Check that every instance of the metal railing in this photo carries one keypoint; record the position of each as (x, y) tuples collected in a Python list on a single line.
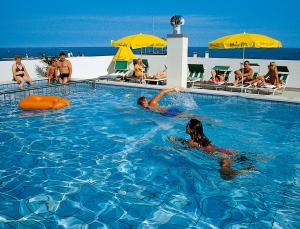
[(10, 92)]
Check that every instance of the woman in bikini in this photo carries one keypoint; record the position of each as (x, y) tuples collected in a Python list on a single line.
[(271, 78), (20, 73), (217, 76)]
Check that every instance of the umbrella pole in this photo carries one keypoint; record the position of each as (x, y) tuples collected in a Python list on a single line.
[(142, 80), (243, 70)]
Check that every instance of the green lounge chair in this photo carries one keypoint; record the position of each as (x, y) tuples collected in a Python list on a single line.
[(221, 85), (121, 71), (245, 86), (196, 73), (283, 75)]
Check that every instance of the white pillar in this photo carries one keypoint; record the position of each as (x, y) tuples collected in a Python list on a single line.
[(177, 60)]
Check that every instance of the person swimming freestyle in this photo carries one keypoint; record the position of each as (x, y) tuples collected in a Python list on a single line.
[(198, 140), (169, 112)]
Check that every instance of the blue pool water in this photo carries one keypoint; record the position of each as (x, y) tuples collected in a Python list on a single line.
[(104, 162)]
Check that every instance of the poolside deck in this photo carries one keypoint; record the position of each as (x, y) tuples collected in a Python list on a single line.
[(85, 68)]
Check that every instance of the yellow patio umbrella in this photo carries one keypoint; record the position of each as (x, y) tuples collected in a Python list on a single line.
[(124, 53), (244, 40), (140, 41)]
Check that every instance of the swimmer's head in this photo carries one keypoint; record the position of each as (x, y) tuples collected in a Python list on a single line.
[(195, 129), (225, 162), (143, 101), (193, 126)]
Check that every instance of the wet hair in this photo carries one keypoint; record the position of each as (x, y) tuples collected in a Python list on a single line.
[(247, 61), (62, 54), (18, 57), (140, 100), (198, 135)]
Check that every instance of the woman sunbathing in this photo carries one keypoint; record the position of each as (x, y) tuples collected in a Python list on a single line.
[(160, 75), (271, 78), (217, 76)]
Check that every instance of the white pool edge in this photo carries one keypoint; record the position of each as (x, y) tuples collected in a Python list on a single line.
[(270, 98)]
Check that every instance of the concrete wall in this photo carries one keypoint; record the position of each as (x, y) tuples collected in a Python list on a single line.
[(91, 67), (83, 67), (293, 66)]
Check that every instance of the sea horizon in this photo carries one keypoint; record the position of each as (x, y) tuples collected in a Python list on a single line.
[(251, 53)]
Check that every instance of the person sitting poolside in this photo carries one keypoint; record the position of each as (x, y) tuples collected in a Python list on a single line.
[(271, 78), (169, 112), (139, 69), (20, 73), (52, 72), (217, 76), (244, 74), (198, 140)]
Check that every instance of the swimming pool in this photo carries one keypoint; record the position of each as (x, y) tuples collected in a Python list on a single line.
[(104, 162)]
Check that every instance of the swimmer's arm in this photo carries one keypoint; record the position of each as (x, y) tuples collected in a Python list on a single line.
[(156, 98)]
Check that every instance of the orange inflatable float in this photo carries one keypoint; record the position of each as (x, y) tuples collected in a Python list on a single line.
[(42, 102)]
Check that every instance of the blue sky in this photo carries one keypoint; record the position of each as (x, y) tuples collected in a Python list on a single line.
[(33, 23)]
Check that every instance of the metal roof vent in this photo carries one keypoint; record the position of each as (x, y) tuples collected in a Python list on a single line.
[(177, 21)]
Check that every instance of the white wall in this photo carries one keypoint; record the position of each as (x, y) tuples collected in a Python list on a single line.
[(156, 64), (91, 67), (293, 66), (83, 67), (177, 60)]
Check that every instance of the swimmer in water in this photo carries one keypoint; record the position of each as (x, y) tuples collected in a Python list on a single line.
[(198, 140), (169, 112)]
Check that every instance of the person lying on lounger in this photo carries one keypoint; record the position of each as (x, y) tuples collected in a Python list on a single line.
[(153, 105), (160, 75), (217, 76), (226, 156), (271, 78)]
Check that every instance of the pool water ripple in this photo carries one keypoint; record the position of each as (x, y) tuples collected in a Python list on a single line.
[(103, 162)]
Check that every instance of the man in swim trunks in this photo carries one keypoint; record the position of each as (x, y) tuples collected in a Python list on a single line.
[(169, 112), (20, 73), (245, 73), (65, 68)]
